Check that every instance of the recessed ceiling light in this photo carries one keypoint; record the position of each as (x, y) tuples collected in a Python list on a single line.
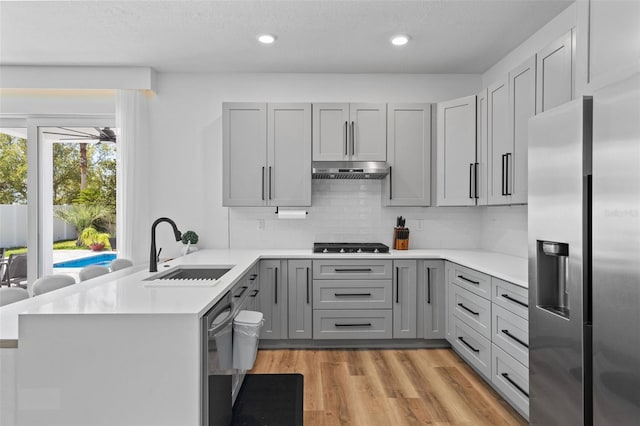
[(266, 38), (400, 40)]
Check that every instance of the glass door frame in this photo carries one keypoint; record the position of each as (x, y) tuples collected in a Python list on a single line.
[(39, 182)]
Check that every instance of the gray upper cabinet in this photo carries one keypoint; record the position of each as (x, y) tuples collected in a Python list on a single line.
[(431, 298), (355, 132), (405, 299), (408, 155), (500, 145), (300, 299), (522, 106), (456, 151), (244, 135), (267, 154), (555, 73)]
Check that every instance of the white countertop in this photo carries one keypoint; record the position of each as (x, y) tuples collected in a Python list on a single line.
[(126, 292)]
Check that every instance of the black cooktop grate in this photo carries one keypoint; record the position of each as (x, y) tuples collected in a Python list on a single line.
[(350, 248)]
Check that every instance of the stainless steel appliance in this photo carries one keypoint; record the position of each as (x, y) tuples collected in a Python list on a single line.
[(349, 170), (217, 344), (350, 248), (584, 256)]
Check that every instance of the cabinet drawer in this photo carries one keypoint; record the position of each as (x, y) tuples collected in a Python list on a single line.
[(473, 347), (354, 269), (511, 333), (352, 294), (472, 280), (511, 297), (355, 324), (512, 378), (471, 308)]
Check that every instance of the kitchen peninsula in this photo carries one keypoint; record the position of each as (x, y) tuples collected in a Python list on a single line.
[(122, 350)]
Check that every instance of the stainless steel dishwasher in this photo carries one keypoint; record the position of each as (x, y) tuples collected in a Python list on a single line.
[(217, 369)]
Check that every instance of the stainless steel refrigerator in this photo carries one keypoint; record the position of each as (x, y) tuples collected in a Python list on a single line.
[(584, 260)]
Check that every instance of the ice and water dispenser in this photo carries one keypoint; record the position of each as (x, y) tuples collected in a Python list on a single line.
[(553, 275)]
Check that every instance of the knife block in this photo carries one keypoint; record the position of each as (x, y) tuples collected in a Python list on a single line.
[(401, 238)]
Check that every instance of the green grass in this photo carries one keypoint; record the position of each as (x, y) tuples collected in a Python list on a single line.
[(58, 245)]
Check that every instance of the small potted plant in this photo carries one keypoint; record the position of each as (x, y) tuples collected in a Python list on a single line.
[(189, 240), (93, 238)]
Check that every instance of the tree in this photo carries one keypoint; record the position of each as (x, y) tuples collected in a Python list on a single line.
[(82, 216), (13, 170)]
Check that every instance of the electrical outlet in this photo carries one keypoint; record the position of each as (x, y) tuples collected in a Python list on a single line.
[(261, 224), (419, 224)]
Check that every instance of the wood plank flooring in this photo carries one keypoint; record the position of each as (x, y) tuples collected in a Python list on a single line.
[(389, 387)]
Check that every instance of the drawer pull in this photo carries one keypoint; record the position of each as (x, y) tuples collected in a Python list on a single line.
[(307, 286), (506, 296), (468, 345), (255, 293), (462, 277), (429, 286), (468, 310), (364, 324), (253, 277), (351, 294), (397, 284), (517, 386), (244, 288), (506, 332), (353, 270)]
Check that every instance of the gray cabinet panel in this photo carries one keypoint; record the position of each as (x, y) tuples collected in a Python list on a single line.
[(456, 151), (272, 299), (289, 155), (368, 132), (431, 299), (482, 146), (471, 308), (405, 299), (356, 324), (352, 294), (300, 299), (522, 106), (352, 269), (244, 153), (555, 74), (472, 280), (408, 155), (512, 378), (511, 333), (472, 347), (511, 297), (500, 145), (330, 132)]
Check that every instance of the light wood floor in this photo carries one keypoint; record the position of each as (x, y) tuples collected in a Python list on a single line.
[(389, 387)]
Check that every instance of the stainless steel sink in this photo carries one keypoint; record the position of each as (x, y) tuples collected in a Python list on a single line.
[(192, 272)]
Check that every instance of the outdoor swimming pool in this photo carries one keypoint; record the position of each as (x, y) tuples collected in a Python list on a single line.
[(103, 259)]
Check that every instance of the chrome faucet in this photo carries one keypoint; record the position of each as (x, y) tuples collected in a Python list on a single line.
[(154, 257)]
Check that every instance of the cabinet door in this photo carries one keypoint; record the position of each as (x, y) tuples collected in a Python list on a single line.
[(431, 298), (482, 142), (272, 299), (408, 155), (522, 106), (404, 298), (244, 151), (500, 145), (330, 132), (368, 127), (456, 146), (555, 74), (300, 303), (289, 155)]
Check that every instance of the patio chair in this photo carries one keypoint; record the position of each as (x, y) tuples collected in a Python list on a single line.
[(92, 271), (118, 264), (12, 294), (16, 270), (51, 282)]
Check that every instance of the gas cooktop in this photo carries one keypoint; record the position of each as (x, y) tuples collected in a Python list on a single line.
[(350, 248)]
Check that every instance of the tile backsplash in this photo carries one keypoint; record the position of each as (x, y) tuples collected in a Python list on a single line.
[(351, 210)]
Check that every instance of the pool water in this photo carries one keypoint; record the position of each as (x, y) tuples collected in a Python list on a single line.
[(100, 260)]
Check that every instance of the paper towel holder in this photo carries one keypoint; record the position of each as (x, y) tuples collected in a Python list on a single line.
[(276, 212)]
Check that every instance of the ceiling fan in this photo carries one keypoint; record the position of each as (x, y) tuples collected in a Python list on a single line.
[(103, 135)]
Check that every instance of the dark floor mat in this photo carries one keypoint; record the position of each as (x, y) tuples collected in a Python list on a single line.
[(269, 400)]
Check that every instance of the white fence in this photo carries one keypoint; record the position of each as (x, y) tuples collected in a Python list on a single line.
[(13, 226)]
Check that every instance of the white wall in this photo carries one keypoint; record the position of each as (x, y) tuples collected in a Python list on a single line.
[(186, 116), (48, 102)]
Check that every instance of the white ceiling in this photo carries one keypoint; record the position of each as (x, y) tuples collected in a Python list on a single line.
[(448, 36)]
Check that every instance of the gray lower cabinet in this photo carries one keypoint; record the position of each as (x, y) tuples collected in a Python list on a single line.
[(405, 299), (300, 299), (272, 298), (431, 299)]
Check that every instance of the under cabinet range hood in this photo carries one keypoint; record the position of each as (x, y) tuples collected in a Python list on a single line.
[(349, 169)]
